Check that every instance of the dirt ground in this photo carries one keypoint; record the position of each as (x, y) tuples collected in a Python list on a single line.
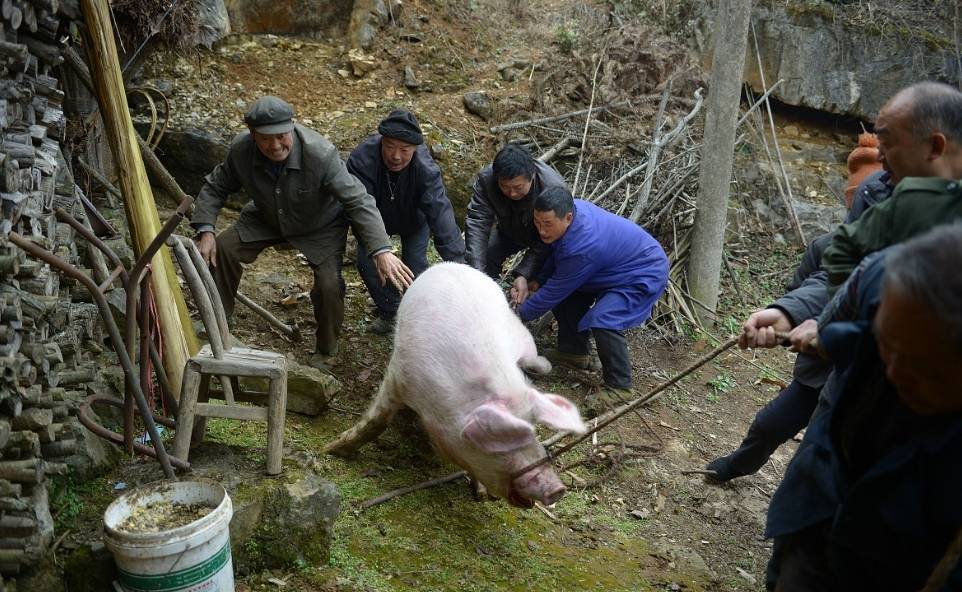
[(631, 520)]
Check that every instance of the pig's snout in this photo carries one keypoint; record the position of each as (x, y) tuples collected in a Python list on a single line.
[(544, 486), (553, 496)]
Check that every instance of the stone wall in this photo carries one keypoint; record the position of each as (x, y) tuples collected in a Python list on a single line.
[(832, 66)]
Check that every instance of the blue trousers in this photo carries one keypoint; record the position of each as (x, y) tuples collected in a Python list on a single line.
[(414, 254)]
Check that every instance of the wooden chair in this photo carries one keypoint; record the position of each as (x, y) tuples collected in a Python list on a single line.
[(227, 363)]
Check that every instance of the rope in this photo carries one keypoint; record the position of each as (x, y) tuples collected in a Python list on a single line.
[(612, 416)]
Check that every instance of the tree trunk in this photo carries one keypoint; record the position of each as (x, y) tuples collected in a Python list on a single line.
[(708, 242)]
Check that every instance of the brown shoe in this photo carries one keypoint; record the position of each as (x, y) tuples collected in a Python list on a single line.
[(576, 361), (607, 398)]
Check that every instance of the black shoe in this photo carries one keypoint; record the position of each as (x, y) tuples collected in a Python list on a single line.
[(381, 326)]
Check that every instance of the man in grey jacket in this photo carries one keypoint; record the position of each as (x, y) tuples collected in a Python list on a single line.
[(300, 191), (500, 219)]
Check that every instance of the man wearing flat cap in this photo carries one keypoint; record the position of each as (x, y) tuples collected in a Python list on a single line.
[(300, 193), (397, 169)]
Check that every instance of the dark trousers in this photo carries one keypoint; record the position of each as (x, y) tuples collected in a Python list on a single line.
[(800, 562), (500, 247), (612, 345), (327, 295), (773, 425), (414, 254)]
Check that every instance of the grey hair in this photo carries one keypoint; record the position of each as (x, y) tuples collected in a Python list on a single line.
[(935, 107), (928, 269)]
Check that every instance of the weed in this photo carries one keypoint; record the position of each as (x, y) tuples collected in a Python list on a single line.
[(566, 38), (722, 383), (732, 325)]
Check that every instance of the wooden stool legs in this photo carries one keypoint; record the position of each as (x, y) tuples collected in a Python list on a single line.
[(191, 420), (276, 409)]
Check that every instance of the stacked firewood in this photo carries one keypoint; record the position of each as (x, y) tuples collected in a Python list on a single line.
[(48, 325)]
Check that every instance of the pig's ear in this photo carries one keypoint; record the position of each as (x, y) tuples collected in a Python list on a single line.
[(556, 412), (492, 428)]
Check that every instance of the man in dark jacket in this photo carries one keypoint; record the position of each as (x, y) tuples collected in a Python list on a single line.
[(397, 169), (499, 220), (871, 499), (915, 129), (789, 411), (300, 191), (602, 276)]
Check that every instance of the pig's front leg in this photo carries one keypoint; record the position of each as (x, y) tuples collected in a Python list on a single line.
[(374, 421), (529, 360)]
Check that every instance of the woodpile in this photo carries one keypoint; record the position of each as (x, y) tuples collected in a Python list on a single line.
[(46, 322)]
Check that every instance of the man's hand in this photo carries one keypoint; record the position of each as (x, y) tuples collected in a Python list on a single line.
[(804, 337), (208, 248), (760, 328), (390, 268), (519, 291)]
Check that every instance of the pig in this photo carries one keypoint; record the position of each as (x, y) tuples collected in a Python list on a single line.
[(457, 362)]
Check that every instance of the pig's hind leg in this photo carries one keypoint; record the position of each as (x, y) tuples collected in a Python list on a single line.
[(374, 421)]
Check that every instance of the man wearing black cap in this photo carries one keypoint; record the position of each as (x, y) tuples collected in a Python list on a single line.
[(302, 194), (397, 169)]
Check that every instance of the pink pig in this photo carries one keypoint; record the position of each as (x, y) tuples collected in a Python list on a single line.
[(458, 354)]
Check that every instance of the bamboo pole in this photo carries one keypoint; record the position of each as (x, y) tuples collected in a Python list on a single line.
[(139, 205)]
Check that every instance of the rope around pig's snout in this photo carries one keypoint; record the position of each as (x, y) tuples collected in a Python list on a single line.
[(615, 414)]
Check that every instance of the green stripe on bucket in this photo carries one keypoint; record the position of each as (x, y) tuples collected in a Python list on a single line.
[(179, 579)]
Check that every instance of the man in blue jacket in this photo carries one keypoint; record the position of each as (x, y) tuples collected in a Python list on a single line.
[(603, 275), (871, 499), (397, 169)]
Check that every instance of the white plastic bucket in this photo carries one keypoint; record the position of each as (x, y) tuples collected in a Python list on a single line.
[(194, 557)]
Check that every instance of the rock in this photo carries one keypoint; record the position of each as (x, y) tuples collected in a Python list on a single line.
[(190, 153), (318, 18), (212, 22), (686, 560), (94, 453), (410, 80), (367, 17), (816, 218), (43, 576), (89, 568), (360, 63), (308, 389), (834, 67), (511, 69), (478, 103), (279, 525)]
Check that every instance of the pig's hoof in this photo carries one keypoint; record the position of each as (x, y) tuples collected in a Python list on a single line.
[(536, 365), (340, 449), (479, 490)]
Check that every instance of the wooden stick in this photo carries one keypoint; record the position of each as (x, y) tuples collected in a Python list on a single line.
[(600, 423), (139, 203), (658, 145), (556, 148), (759, 101), (615, 414), (778, 151), (591, 104), (520, 124), (294, 333), (410, 489)]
